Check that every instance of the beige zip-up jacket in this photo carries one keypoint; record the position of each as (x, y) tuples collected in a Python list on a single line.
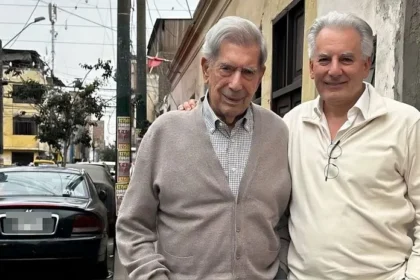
[(357, 225)]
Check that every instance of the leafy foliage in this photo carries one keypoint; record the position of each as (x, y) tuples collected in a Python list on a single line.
[(64, 117), (109, 153)]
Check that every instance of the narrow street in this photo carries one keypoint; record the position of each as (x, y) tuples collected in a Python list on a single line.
[(50, 271), (119, 272)]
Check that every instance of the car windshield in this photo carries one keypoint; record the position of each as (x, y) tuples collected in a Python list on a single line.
[(44, 183), (97, 173)]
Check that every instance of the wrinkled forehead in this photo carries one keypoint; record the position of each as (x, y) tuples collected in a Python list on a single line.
[(239, 55)]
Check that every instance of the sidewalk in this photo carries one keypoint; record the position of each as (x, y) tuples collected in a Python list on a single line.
[(119, 272)]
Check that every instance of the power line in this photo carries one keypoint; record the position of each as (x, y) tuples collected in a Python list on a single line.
[(68, 43), (29, 18), (189, 8), (88, 8), (154, 2), (110, 13), (67, 17), (76, 15), (69, 25)]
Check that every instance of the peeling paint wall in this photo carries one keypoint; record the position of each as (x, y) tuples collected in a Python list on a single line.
[(390, 16), (387, 19), (366, 9), (411, 55)]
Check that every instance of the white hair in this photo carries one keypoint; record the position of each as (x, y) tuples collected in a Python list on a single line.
[(342, 20), (235, 30)]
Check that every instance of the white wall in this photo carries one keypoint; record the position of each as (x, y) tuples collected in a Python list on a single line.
[(365, 9)]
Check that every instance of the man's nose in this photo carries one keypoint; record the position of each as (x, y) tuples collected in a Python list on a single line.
[(335, 68), (236, 81)]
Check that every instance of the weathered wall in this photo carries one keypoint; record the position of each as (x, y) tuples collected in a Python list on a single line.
[(365, 9), (152, 98), (390, 17), (387, 19), (411, 55)]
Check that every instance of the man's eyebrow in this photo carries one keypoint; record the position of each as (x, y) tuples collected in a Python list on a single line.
[(323, 55), (347, 54), (226, 64)]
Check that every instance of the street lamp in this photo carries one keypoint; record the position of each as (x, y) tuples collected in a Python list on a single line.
[(37, 19)]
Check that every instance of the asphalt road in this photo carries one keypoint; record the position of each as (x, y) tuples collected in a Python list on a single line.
[(68, 271)]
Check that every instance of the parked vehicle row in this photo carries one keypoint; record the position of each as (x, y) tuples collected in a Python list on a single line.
[(50, 213)]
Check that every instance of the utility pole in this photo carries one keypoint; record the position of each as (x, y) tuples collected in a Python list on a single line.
[(141, 113), (123, 100), (1, 105), (52, 10)]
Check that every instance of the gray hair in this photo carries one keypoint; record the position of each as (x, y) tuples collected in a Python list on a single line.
[(342, 20), (235, 30)]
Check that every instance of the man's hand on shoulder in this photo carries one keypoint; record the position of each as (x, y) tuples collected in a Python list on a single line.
[(187, 105)]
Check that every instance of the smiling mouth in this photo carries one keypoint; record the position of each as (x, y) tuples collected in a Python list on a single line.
[(334, 84)]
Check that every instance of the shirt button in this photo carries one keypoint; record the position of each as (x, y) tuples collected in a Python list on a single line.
[(238, 229), (233, 170), (238, 257)]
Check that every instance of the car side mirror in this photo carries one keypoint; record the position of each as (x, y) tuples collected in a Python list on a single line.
[(102, 195)]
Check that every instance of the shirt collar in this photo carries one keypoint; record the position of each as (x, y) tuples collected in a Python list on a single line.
[(362, 104), (212, 120)]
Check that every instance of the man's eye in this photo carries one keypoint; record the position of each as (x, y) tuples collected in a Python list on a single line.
[(347, 60), (248, 72), (226, 68)]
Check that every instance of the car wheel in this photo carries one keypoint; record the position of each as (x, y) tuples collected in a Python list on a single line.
[(101, 268)]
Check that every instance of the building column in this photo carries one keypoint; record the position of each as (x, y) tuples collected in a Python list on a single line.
[(308, 85)]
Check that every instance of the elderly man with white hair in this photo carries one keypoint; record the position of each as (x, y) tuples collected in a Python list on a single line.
[(209, 186)]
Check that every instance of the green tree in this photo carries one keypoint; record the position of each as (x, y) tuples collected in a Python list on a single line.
[(108, 153), (64, 117)]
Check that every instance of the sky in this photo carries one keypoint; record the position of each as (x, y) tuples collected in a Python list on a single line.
[(86, 30)]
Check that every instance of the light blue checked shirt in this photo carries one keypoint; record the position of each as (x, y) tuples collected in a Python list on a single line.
[(231, 146)]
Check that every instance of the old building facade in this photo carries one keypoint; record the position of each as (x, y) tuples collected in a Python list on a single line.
[(19, 127), (284, 24)]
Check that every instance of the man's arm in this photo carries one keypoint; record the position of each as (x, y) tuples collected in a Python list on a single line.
[(412, 177), (136, 223), (283, 231)]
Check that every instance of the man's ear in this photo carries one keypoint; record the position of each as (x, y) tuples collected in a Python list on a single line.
[(311, 69), (205, 69)]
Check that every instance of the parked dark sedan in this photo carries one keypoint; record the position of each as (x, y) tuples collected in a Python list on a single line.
[(52, 214), (103, 181)]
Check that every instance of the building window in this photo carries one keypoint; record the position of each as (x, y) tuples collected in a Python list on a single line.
[(288, 37), (15, 95), (24, 126)]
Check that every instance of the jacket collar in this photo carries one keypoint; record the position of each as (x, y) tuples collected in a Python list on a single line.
[(377, 106)]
